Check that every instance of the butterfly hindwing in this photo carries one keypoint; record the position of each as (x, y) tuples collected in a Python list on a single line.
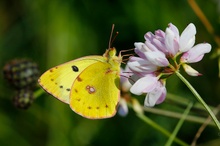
[(95, 92), (58, 80)]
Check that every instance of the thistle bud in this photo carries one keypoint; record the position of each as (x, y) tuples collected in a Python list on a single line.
[(23, 98), (21, 73)]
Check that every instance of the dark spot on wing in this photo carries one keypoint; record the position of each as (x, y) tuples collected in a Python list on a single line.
[(75, 68), (68, 89), (79, 79), (108, 71), (90, 89)]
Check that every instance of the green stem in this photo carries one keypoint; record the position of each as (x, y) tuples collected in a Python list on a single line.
[(38, 93), (185, 101), (159, 128), (199, 98), (179, 124), (190, 118)]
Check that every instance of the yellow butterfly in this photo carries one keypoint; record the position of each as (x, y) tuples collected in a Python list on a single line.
[(90, 85)]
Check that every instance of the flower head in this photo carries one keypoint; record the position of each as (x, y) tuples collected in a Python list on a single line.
[(157, 60)]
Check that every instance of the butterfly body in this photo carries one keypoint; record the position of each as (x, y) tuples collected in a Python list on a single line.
[(90, 85)]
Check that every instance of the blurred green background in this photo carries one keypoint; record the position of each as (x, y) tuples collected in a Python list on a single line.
[(53, 32)]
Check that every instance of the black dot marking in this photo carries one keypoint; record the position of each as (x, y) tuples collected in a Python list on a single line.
[(51, 70), (76, 90), (52, 80), (78, 99), (89, 107), (75, 68), (68, 89), (97, 107), (61, 86), (106, 106)]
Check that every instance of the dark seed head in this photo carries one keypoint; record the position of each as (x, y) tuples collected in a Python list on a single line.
[(23, 98), (21, 73)]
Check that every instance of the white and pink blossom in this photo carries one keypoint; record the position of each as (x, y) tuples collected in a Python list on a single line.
[(154, 57)]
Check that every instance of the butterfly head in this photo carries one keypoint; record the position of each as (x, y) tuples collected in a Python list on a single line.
[(110, 55)]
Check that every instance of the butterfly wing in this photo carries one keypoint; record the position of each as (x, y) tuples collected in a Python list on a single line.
[(95, 92), (58, 80)]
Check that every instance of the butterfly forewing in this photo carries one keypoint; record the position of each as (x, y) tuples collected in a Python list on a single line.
[(58, 80)]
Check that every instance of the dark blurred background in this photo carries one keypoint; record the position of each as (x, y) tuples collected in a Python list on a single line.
[(53, 32)]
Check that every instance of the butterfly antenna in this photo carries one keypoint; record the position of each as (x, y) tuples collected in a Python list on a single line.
[(111, 40)]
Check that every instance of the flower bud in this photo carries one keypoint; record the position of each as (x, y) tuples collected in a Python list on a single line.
[(190, 71), (23, 98), (21, 73)]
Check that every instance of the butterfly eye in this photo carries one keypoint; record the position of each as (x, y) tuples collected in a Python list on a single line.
[(75, 68)]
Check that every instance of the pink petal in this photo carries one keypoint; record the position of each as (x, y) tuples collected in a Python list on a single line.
[(151, 46), (157, 58), (156, 96), (160, 33), (159, 40), (171, 42), (137, 64), (140, 48), (162, 96), (160, 44), (187, 38), (174, 30), (196, 53), (155, 42), (149, 36), (144, 85)]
